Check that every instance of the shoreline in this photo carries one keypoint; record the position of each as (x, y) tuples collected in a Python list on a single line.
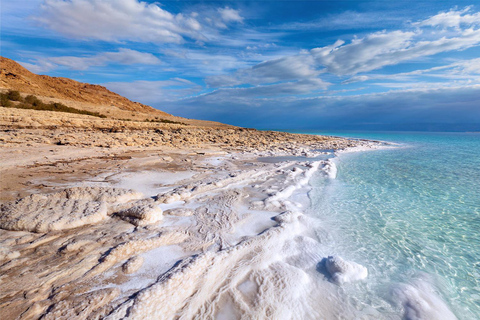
[(125, 252)]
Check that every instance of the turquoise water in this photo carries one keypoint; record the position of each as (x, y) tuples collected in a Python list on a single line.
[(411, 215)]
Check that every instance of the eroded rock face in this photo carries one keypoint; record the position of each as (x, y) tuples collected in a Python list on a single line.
[(67, 209)]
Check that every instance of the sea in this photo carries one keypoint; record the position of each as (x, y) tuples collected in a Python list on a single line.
[(411, 215)]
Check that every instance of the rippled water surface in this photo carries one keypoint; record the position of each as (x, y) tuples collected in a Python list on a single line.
[(408, 214)]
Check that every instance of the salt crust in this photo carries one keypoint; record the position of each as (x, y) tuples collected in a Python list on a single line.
[(214, 279), (132, 264), (66, 209)]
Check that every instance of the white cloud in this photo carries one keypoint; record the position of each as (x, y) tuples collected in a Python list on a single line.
[(38, 67), (283, 69), (123, 56), (372, 52), (452, 19), (469, 66), (196, 62), (155, 92), (464, 70), (300, 87), (116, 20), (388, 48), (230, 15)]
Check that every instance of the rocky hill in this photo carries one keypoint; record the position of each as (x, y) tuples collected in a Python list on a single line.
[(83, 96), (14, 76)]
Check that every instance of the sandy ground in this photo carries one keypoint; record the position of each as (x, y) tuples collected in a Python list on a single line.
[(162, 230)]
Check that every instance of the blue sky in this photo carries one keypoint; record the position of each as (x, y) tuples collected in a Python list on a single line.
[(398, 65)]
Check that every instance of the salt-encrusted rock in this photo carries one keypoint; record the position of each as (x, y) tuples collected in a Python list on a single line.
[(101, 194), (141, 215), (132, 265), (343, 271), (79, 306), (44, 213), (181, 212), (7, 254), (66, 209)]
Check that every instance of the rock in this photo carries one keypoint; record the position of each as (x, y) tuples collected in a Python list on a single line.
[(132, 265)]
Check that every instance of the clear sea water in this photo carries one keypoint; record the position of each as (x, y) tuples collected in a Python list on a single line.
[(410, 215)]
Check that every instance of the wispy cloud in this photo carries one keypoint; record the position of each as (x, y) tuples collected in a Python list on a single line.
[(374, 51), (232, 62), (388, 48), (452, 19), (117, 20), (283, 69), (459, 70), (155, 92), (346, 21), (230, 15), (122, 56)]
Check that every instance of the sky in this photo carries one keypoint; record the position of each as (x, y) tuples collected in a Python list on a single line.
[(322, 65)]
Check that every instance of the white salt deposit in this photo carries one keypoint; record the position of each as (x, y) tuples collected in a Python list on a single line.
[(214, 247), (342, 271), (133, 264), (142, 215), (300, 180), (420, 301), (149, 183), (70, 208), (6, 253), (330, 169)]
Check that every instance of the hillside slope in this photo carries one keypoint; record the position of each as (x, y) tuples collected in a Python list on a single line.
[(14, 76)]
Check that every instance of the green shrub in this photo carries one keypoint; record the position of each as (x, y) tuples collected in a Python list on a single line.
[(164, 121), (23, 105), (31, 99), (4, 101), (32, 102), (14, 95)]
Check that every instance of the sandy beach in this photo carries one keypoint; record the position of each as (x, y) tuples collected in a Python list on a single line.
[(159, 223)]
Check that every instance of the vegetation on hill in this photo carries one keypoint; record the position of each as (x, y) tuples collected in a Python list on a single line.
[(13, 99), (32, 102), (165, 121)]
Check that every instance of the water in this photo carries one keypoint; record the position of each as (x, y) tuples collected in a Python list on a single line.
[(411, 215)]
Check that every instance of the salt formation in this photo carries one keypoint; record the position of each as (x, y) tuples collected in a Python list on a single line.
[(276, 200), (141, 215), (343, 271), (133, 264), (419, 301), (221, 248), (7, 254), (67, 209), (330, 169)]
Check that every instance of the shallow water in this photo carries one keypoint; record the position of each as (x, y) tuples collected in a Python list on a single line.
[(411, 215)]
